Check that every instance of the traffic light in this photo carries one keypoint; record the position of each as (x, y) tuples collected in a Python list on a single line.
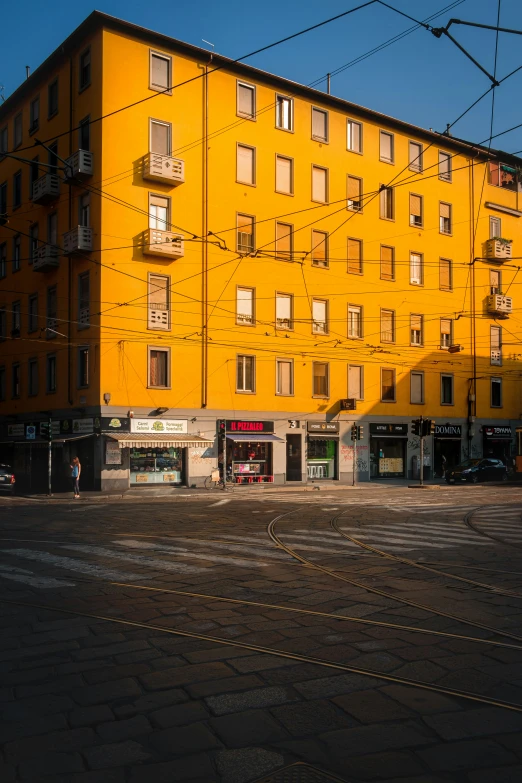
[(428, 427), (354, 432), (416, 427), (360, 432)]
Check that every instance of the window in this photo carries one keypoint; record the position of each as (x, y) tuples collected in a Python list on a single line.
[(51, 312), (354, 136), (495, 281), (319, 184), (355, 261), (284, 175), (446, 332), (245, 374), (416, 269), (4, 140), (16, 319), (84, 134), (496, 392), (445, 218), (387, 326), (34, 173), (386, 151), (246, 100), (16, 384), (495, 341), (495, 227), (388, 385), (417, 388), (503, 175), (416, 325), (16, 253), (246, 165), (284, 241), (33, 242), (160, 135), (245, 234), (416, 216), (84, 209), (387, 263), (445, 274), (3, 202), (355, 382), (386, 203), (52, 229), (245, 306), (355, 322), (284, 311), (84, 300), (34, 115), (84, 70), (159, 209), (354, 191), (321, 379), (50, 374), (444, 166), (52, 158), (158, 302), (319, 124), (2, 384), (32, 377), (319, 248), (83, 366), (415, 156), (3, 324), (319, 316), (446, 389), (17, 130), (17, 189), (52, 99), (284, 377), (3, 259), (284, 113), (159, 368), (33, 313)]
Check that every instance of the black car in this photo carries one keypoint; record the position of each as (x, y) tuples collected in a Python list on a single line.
[(7, 479), (475, 470)]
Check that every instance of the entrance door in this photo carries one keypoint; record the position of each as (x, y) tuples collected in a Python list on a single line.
[(293, 458)]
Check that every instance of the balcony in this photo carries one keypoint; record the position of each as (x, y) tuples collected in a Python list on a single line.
[(496, 358), (498, 304), (46, 189), (498, 249), (78, 240), (80, 166), (84, 317), (163, 243), (163, 168), (45, 258)]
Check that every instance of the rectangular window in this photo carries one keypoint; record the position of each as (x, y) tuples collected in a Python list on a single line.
[(34, 173), (415, 156), (284, 311), (52, 99), (284, 377), (160, 72), (32, 377), (158, 302), (245, 306), (284, 113), (355, 256), (386, 151), (17, 189), (17, 253), (386, 203), (416, 324), (445, 274), (416, 211), (355, 382), (83, 367), (4, 140), (319, 124), (387, 263), (16, 319), (245, 374), (2, 384), (17, 130), (387, 326), (446, 329), (495, 341), (388, 385), (495, 281), (16, 381), (52, 158), (354, 136), (416, 269), (319, 316), (246, 100), (3, 202), (355, 321), (33, 242), (3, 260), (446, 389), (84, 134), (246, 165), (33, 313), (444, 166), (284, 175), (319, 248), (445, 218), (84, 69), (52, 229), (495, 227), (496, 392), (321, 379), (159, 368), (50, 374), (51, 312), (84, 300), (34, 114), (319, 184), (417, 388), (160, 137), (3, 324), (159, 212), (84, 209), (354, 191), (284, 241), (245, 234)]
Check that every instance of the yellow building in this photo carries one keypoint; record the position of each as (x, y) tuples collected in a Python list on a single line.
[(193, 248)]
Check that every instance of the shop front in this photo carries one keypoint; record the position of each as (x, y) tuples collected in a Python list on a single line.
[(447, 451), (322, 450), (497, 442), (388, 443), (246, 449)]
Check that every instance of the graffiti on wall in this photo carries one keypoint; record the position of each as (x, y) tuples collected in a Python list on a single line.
[(361, 462), (197, 456)]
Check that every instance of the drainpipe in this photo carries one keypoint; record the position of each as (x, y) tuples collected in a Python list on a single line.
[(69, 260), (204, 276)]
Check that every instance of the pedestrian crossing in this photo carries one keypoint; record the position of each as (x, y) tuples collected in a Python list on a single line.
[(501, 522)]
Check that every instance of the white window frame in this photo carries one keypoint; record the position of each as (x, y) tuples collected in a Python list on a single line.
[(414, 278), (168, 59), (360, 394), (413, 218), (354, 308), (386, 195), (446, 156), (279, 392), (392, 147), (160, 322), (246, 319), (495, 289), (253, 171), (495, 221), (349, 123), (291, 162), (252, 88), (285, 255), (252, 234), (163, 225), (325, 113), (495, 345), (280, 99), (417, 163), (450, 334), (320, 168), (450, 219), (320, 326), (447, 375), (418, 374), (239, 357), (322, 243), (393, 326), (352, 204), (168, 125), (498, 381), (283, 323), (418, 343), (169, 366)]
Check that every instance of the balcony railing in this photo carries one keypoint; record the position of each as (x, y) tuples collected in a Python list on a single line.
[(163, 168), (45, 258), (159, 317), (163, 243), (84, 316), (498, 250), (78, 240), (80, 166), (46, 189), (498, 304)]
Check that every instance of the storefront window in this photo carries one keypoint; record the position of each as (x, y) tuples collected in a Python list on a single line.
[(321, 462), (249, 461), (156, 465)]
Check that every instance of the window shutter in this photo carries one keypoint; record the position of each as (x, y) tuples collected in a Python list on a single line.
[(386, 146), (445, 326), (415, 205), (318, 184), (445, 210), (416, 323), (159, 138), (245, 224), (245, 100), (284, 240), (354, 382), (283, 310), (285, 384), (354, 188), (283, 174), (415, 268), (160, 72), (495, 338), (354, 256), (318, 124), (387, 262), (354, 136), (416, 387), (445, 273), (319, 311), (444, 165), (245, 164), (319, 248), (245, 305)]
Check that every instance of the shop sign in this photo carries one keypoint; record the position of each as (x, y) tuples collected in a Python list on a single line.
[(497, 432), (112, 453), (16, 430), (448, 430), (389, 429), (83, 426), (238, 425), (323, 426), (30, 432), (44, 428), (66, 426), (114, 423), (159, 426)]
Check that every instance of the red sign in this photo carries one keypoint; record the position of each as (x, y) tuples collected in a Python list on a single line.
[(238, 425)]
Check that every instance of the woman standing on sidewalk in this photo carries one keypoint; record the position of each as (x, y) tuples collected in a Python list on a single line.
[(76, 470)]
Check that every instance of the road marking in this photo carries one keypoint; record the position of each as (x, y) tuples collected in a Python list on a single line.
[(71, 564), (29, 578), (158, 565), (213, 558), (220, 502)]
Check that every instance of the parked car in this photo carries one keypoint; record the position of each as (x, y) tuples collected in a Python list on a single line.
[(7, 478), (475, 470)]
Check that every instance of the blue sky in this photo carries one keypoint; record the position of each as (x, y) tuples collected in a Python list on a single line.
[(420, 79)]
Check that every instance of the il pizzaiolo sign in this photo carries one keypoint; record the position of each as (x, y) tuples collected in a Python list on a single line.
[(448, 430)]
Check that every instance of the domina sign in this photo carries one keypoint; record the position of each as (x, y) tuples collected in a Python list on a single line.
[(448, 430)]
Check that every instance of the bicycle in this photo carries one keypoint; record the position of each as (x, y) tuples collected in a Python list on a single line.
[(215, 481)]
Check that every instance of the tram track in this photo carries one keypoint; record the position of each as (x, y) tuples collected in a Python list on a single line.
[(480, 532)]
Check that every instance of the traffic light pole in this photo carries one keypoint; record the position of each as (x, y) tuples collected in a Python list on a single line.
[(49, 457), (354, 460), (421, 472)]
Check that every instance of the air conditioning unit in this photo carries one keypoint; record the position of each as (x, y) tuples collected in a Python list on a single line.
[(498, 303)]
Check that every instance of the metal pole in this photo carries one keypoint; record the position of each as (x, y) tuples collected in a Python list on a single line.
[(328, 83), (49, 458), (354, 459), (225, 458), (421, 473)]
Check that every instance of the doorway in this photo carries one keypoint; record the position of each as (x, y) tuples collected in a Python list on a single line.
[(294, 458)]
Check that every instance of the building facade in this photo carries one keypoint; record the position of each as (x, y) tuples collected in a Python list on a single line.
[(203, 262)]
